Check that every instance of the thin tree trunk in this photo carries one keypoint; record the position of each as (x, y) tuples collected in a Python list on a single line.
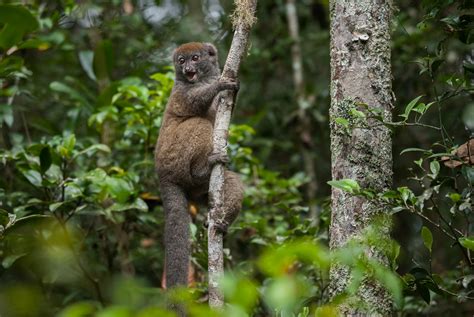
[(304, 121), (360, 73), (243, 19)]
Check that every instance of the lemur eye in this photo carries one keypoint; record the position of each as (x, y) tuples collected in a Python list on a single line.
[(195, 58), (181, 60)]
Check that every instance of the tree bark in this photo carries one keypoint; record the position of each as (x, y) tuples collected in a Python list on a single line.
[(360, 74), (243, 19), (303, 102)]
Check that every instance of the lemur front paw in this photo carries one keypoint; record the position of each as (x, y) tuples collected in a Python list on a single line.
[(220, 157), (229, 84), (221, 227)]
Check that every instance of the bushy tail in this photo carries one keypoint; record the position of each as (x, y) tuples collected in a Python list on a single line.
[(177, 244)]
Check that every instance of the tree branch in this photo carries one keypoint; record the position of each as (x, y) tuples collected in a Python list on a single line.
[(243, 19)]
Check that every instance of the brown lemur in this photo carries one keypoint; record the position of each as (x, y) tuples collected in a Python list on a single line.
[(184, 157)]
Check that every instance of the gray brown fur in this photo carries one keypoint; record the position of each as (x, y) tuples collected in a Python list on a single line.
[(184, 156)]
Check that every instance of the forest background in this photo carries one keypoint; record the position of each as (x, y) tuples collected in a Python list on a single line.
[(83, 86)]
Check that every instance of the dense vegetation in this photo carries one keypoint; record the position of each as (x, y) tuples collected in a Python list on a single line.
[(83, 87)]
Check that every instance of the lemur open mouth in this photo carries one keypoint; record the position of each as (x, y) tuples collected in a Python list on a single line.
[(191, 75)]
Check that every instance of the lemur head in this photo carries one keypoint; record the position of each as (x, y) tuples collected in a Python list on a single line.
[(195, 61)]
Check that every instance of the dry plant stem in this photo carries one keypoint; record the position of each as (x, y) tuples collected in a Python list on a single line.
[(243, 20)]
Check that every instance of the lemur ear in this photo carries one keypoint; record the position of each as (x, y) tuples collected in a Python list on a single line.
[(175, 53), (211, 49)]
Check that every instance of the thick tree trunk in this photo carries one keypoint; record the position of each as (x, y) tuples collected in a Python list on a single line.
[(244, 17), (360, 74)]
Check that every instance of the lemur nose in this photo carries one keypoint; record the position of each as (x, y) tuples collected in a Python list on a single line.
[(187, 68)]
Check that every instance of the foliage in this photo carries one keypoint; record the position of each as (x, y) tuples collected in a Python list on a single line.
[(83, 89)]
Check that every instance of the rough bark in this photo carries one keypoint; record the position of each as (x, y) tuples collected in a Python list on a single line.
[(303, 102), (243, 20), (360, 73)]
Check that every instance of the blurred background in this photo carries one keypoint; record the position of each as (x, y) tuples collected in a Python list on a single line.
[(83, 86)]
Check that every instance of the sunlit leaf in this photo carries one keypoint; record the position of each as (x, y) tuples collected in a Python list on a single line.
[(240, 291), (348, 185), (80, 309), (154, 312), (468, 243), (342, 121), (115, 311), (326, 311), (455, 197)]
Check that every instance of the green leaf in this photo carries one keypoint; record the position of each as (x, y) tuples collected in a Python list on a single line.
[(68, 90), (434, 168), (357, 113), (420, 108), (342, 121), (34, 177), (103, 60), (34, 43), (45, 159), (427, 237), (348, 185), (240, 291), (409, 107), (468, 173), (115, 311), (424, 293), (468, 243), (419, 163), (86, 59), (10, 64), (140, 204), (79, 310), (6, 114), (93, 149), (406, 193), (468, 116), (10, 259), (391, 194), (412, 149), (391, 281), (54, 206), (69, 142), (455, 197), (16, 21), (119, 188), (4, 218), (155, 311)]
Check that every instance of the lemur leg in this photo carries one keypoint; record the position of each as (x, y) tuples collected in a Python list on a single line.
[(233, 196)]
